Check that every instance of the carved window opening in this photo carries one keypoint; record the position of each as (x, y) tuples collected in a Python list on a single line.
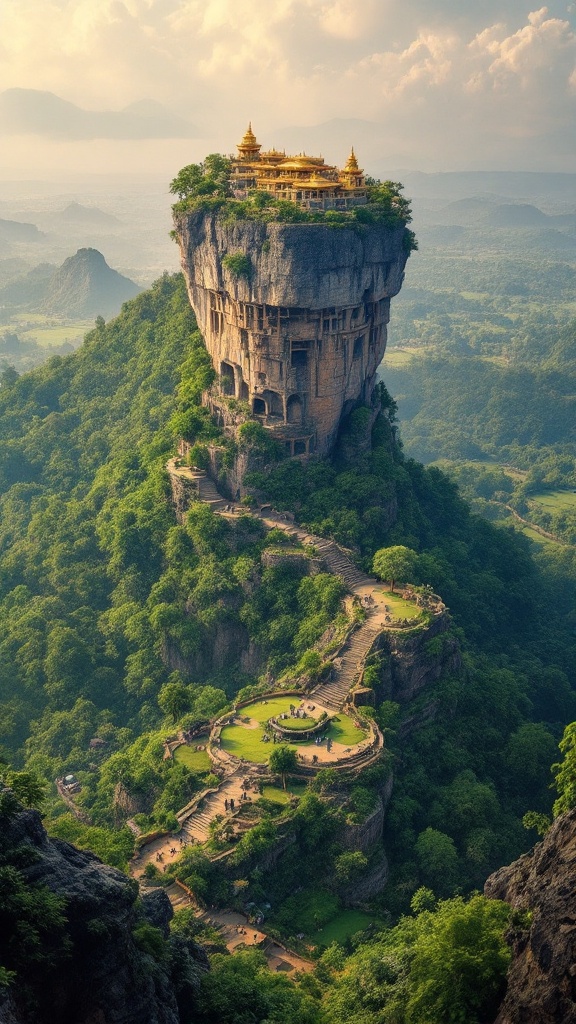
[(228, 382), (244, 391), (274, 403), (259, 407), (300, 447), (299, 357), (294, 412), (358, 348)]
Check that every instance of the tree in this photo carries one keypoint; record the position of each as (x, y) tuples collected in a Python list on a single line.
[(350, 865), (283, 760), (565, 772), (437, 859), (397, 562), (8, 376), (27, 787), (174, 699)]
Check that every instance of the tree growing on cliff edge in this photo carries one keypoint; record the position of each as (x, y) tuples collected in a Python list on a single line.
[(565, 772), (395, 563)]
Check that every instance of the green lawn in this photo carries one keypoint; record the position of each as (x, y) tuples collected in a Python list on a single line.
[(555, 501), (282, 796), (247, 743), (298, 723), (343, 730), (196, 760), (400, 608), (341, 927)]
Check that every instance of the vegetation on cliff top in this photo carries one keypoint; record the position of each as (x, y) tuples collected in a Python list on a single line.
[(205, 186)]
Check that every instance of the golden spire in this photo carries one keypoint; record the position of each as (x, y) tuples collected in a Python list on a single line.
[(249, 148), (352, 163)]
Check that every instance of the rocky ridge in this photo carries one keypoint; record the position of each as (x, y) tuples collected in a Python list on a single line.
[(542, 977), (105, 975)]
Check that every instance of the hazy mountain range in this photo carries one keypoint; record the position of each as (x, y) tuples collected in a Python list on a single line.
[(35, 112)]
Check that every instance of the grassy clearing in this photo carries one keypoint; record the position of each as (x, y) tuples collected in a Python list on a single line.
[(343, 730), (535, 536), (400, 608), (53, 336), (281, 796), (399, 357), (298, 723), (196, 760), (341, 927), (243, 741), (555, 501)]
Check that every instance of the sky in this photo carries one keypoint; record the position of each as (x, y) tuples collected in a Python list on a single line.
[(434, 84)]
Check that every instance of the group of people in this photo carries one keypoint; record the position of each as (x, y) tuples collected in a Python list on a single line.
[(230, 804)]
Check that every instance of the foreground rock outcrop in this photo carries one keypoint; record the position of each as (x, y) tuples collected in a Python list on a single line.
[(542, 976), (106, 967)]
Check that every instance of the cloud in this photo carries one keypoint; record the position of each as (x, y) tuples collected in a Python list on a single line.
[(440, 77)]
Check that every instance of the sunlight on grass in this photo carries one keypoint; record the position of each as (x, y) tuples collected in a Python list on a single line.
[(400, 608), (196, 760), (245, 740), (555, 501), (341, 927)]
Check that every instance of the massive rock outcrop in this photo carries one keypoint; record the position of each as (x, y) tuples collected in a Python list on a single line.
[(101, 971), (542, 977), (294, 315)]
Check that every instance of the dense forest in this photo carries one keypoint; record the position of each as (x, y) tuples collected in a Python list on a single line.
[(111, 613)]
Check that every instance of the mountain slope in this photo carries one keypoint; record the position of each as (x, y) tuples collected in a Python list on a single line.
[(86, 286)]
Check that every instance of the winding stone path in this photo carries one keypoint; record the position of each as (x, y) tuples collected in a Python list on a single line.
[(347, 666)]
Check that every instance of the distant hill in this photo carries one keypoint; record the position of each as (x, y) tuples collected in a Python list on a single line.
[(17, 231), (75, 213), (29, 289), (517, 215), (86, 286), (36, 112)]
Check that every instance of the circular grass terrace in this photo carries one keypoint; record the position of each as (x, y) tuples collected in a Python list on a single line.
[(244, 738)]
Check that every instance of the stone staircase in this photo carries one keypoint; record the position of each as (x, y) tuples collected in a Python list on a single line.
[(178, 898), (340, 564), (207, 491), (333, 693), (196, 825)]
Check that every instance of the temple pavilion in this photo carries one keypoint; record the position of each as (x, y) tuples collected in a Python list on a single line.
[(306, 180)]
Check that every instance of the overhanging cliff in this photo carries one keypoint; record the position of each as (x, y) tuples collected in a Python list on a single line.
[(294, 315)]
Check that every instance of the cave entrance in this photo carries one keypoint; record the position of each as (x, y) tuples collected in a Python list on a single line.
[(259, 407)]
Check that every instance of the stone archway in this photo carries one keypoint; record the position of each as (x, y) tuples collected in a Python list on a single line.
[(294, 409)]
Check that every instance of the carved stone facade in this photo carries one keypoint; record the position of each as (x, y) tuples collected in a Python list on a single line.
[(298, 338)]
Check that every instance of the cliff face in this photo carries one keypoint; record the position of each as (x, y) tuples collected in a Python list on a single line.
[(105, 976), (414, 661), (294, 316), (300, 265), (542, 977)]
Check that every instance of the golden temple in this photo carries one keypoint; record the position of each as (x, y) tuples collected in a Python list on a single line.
[(302, 179)]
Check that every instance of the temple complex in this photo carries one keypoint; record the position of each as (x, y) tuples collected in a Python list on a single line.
[(306, 180), (297, 333)]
